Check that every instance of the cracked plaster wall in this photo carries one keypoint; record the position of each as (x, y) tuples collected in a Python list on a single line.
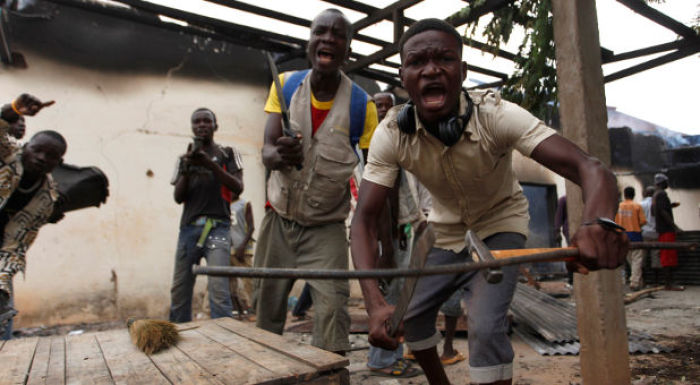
[(126, 124)]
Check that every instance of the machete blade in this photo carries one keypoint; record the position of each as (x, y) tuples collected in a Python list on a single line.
[(424, 242)]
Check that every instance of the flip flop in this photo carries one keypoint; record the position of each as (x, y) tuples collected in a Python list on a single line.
[(453, 360), (397, 370)]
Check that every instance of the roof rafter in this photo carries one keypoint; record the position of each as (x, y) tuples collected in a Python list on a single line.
[(474, 14), (383, 13), (286, 18), (652, 14), (290, 47)]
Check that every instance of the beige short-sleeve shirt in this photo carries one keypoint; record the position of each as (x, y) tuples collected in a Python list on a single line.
[(472, 182)]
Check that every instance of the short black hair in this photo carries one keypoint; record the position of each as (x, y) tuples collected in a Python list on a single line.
[(649, 191), (205, 109), (53, 134), (429, 25), (629, 192), (349, 30)]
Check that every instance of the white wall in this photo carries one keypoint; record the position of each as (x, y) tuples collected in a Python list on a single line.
[(125, 124)]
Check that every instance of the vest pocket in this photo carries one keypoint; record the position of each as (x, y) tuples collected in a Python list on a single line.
[(329, 181)]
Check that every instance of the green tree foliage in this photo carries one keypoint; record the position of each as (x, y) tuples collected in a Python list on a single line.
[(533, 84)]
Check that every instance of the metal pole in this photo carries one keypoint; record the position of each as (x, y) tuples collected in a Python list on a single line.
[(549, 256)]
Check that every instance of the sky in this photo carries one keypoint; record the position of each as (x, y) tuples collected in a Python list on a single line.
[(667, 96)]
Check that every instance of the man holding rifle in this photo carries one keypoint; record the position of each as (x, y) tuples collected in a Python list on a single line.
[(458, 144), (308, 188)]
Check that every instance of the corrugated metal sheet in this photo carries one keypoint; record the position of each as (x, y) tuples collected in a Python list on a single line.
[(548, 325)]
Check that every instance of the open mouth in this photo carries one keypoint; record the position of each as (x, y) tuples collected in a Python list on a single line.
[(434, 95), (325, 56)]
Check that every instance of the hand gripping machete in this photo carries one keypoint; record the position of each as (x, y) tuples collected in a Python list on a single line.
[(286, 126)]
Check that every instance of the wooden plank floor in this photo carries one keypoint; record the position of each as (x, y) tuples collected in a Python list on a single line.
[(221, 351)]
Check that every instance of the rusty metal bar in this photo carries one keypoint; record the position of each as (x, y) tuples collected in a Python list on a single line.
[(550, 256)]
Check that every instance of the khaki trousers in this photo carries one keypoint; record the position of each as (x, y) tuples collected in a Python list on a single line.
[(285, 243), (636, 259)]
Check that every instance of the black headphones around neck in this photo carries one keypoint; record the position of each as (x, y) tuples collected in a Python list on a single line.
[(448, 131)]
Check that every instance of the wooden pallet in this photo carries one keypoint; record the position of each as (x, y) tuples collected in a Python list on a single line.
[(220, 351)]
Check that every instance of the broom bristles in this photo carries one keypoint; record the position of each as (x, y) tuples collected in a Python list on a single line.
[(152, 336)]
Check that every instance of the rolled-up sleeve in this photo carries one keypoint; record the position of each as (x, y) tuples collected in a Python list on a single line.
[(382, 163), (519, 128)]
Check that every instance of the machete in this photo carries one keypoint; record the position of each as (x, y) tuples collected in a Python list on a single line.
[(284, 111), (419, 254)]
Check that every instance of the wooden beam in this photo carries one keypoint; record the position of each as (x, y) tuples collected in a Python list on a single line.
[(461, 18), (381, 14), (148, 18), (673, 56), (287, 18), (486, 48), (397, 18), (649, 50), (487, 71), (392, 49), (455, 20), (600, 309), (379, 75), (378, 56), (652, 14), (487, 85), (213, 24)]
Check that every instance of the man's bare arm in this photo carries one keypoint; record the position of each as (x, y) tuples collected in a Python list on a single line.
[(363, 235), (599, 248)]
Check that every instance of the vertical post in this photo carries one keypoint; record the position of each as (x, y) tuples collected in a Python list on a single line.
[(397, 16), (600, 309)]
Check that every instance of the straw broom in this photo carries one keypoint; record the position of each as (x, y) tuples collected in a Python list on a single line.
[(152, 336)]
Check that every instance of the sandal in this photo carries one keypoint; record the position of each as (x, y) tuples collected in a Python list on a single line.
[(397, 370), (453, 360)]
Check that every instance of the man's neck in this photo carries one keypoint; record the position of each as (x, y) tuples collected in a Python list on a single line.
[(324, 86), (209, 145), (28, 180)]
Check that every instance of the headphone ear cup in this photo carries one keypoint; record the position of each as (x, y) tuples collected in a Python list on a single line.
[(405, 119), (450, 130)]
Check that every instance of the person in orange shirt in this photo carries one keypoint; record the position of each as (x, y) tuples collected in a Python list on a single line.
[(630, 215)]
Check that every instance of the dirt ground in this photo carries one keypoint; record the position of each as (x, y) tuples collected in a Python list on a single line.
[(673, 318)]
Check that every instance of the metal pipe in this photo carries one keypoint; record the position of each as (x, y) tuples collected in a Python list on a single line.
[(280, 272)]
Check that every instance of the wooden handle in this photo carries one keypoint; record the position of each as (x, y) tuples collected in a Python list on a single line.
[(502, 254)]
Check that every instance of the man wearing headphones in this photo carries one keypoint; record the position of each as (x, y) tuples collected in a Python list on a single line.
[(459, 145)]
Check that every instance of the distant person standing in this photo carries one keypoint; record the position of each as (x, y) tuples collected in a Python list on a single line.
[(631, 216), (649, 233), (242, 227), (666, 227), (206, 178)]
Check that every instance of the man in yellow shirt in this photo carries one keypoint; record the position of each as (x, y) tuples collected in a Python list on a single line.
[(308, 188), (630, 215)]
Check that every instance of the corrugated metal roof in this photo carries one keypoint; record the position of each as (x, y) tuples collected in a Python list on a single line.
[(548, 325)]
